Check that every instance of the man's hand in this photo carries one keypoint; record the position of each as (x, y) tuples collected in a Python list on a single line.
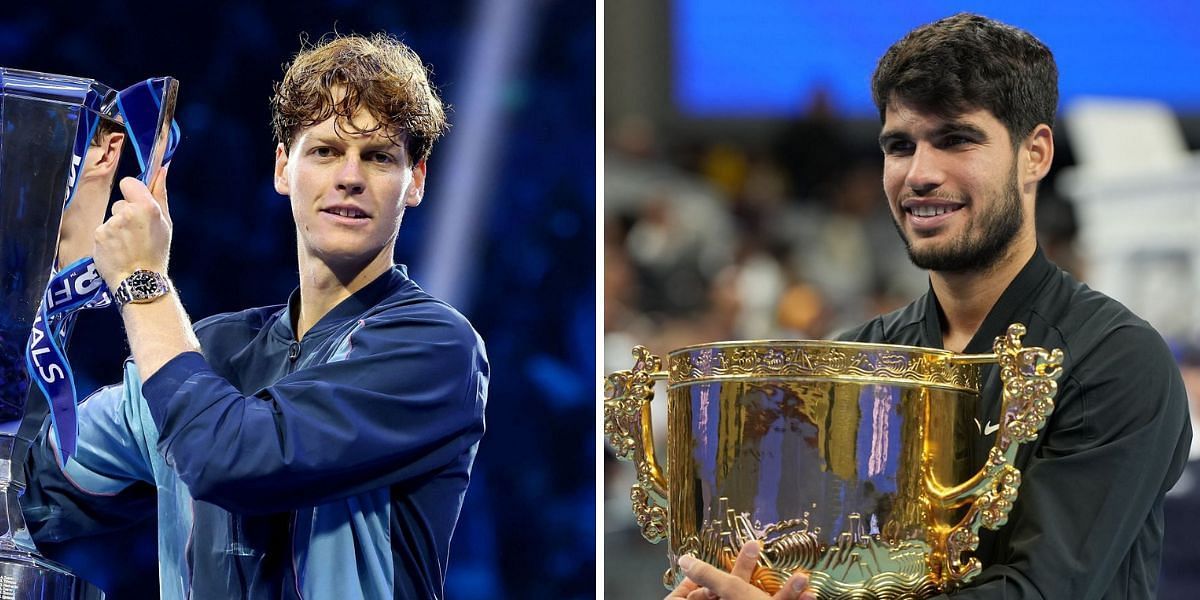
[(138, 235), (704, 581)]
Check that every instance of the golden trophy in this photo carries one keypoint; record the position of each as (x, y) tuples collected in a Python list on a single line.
[(850, 461)]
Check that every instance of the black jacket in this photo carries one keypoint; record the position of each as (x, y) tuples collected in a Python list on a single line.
[(1088, 522)]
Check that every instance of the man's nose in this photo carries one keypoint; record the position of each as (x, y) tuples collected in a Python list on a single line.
[(925, 170), (350, 177)]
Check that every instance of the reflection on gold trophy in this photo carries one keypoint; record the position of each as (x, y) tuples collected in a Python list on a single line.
[(850, 461)]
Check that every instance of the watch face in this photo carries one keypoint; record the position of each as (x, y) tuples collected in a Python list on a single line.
[(144, 285)]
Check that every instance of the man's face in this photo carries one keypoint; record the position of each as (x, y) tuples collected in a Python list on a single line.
[(86, 211), (348, 190), (952, 187)]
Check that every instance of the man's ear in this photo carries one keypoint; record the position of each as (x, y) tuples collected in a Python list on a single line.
[(102, 160), (416, 190), (1038, 151), (282, 185)]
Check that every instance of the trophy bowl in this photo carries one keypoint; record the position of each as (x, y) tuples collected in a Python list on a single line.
[(849, 461)]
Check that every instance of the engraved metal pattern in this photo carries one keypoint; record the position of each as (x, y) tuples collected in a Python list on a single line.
[(651, 517), (627, 396), (850, 461), (1029, 376), (884, 570), (822, 359), (1029, 383), (622, 414)]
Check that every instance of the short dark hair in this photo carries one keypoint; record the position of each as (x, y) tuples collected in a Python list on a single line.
[(106, 126), (377, 73), (967, 62)]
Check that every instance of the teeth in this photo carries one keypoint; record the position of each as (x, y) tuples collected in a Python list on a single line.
[(929, 211)]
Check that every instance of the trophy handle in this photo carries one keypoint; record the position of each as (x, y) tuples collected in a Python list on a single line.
[(1029, 377), (627, 426)]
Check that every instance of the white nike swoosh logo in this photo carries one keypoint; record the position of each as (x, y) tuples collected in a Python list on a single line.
[(989, 429)]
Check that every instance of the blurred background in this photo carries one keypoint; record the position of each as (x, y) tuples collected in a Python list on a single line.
[(742, 194), (506, 233)]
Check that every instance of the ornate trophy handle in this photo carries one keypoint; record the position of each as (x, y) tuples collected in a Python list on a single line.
[(627, 396), (1029, 376)]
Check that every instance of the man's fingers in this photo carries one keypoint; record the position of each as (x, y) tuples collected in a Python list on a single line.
[(136, 192), (747, 558), (795, 588), (724, 584), (685, 587)]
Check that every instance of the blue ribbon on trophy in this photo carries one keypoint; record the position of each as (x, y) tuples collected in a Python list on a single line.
[(136, 105), (155, 135)]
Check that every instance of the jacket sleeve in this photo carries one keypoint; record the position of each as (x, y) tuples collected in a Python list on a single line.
[(403, 401), (106, 485), (1094, 485)]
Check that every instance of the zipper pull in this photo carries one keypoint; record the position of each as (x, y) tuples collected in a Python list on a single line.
[(294, 351)]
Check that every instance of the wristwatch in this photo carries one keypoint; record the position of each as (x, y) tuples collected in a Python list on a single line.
[(140, 287)]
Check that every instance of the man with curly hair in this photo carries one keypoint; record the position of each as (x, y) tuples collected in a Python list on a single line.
[(317, 449)]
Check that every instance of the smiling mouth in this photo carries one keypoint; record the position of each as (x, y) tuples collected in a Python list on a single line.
[(931, 210), (350, 213)]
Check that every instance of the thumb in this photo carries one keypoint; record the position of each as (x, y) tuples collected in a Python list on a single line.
[(134, 191)]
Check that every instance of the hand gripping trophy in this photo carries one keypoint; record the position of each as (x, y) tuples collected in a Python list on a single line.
[(60, 139)]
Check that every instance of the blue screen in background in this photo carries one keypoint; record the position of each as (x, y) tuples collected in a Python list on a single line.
[(765, 58)]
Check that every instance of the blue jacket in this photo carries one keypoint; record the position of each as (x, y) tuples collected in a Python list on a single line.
[(333, 467)]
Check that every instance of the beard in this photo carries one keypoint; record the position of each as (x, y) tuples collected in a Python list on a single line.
[(985, 240)]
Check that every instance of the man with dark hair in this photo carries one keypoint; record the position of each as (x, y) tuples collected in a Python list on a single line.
[(967, 106), (318, 449)]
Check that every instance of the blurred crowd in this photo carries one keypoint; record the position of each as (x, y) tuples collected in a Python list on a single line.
[(721, 241)]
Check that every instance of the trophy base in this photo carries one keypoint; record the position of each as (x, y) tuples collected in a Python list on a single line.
[(25, 576)]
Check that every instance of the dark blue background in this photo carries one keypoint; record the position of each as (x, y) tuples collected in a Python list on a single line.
[(527, 529)]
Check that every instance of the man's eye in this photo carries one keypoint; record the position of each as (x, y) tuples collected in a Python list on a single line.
[(322, 151), (898, 147), (955, 140), (382, 158)]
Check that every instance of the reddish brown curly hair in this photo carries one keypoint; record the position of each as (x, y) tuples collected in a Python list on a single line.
[(376, 73)]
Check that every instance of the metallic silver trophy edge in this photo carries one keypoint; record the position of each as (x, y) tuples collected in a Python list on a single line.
[(39, 117)]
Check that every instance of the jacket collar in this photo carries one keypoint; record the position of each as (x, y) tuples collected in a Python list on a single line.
[(352, 307), (1013, 306)]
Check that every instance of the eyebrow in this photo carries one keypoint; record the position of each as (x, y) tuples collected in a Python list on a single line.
[(960, 127), (323, 140), (892, 136), (374, 145)]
